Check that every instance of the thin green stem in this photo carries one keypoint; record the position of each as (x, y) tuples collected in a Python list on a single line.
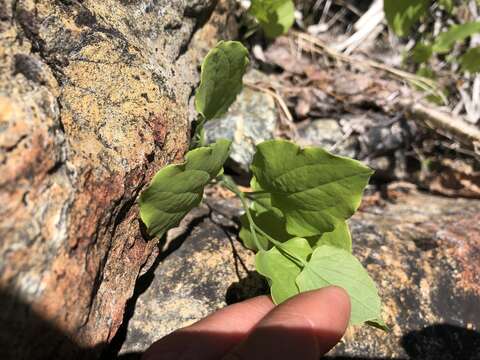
[(229, 184), (257, 193), (253, 226), (281, 247), (199, 134)]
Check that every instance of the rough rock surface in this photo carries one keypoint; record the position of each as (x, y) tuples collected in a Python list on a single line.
[(93, 100), (422, 251), (251, 119), (205, 259), (328, 134)]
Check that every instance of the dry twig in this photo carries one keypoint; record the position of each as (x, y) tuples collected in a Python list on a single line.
[(442, 122)]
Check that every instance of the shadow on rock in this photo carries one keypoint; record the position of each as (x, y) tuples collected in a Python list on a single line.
[(435, 342), (271, 342), (250, 286), (130, 356), (25, 334), (143, 283), (442, 341)]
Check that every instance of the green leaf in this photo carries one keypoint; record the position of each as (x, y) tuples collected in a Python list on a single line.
[(314, 189), (340, 237), (273, 223), (421, 53), (268, 218), (426, 72), (403, 14), (262, 202), (280, 271), (470, 61), (456, 33), (329, 265), (275, 17), (176, 189), (221, 78), (378, 324), (270, 222)]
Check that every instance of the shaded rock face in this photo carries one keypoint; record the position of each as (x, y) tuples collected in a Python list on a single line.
[(93, 100), (422, 251), (199, 276)]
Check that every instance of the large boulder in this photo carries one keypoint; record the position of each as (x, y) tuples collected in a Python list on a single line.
[(93, 100)]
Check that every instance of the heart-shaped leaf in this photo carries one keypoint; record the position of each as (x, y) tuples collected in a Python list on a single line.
[(314, 189), (330, 265), (340, 237)]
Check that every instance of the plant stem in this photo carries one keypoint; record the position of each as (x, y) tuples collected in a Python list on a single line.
[(199, 134), (229, 184), (298, 261), (257, 193)]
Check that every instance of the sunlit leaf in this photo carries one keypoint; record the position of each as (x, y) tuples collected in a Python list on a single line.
[(221, 78), (314, 189), (330, 265), (280, 271), (176, 189), (340, 237), (275, 17)]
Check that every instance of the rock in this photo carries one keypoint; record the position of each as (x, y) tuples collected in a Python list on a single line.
[(430, 246), (422, 251), (379, 142), (250, 120), (321, 132), (328, 134), (195, 279), (93, 101)]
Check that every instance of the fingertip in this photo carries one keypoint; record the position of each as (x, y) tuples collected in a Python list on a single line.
[(327, 308), (339, 296), (213, 336), (305, 326), (259, 305)]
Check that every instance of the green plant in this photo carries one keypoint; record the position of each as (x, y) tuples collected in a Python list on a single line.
[(275, 17), (402, 16), (295, 215)]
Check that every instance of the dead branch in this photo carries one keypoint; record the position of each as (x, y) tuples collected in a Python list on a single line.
[(446, 124)]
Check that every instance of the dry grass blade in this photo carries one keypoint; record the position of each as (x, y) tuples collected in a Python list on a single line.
[(315, 45), (369, 25)]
